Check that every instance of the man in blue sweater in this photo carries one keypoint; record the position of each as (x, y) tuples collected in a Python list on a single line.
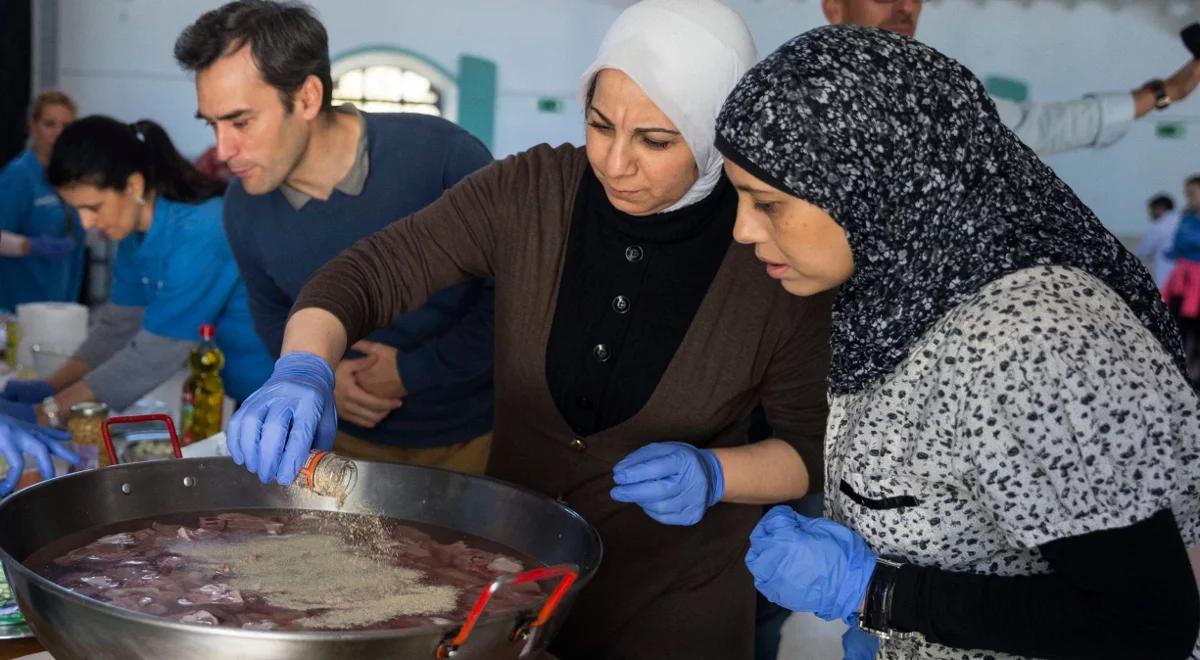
[(311, 180)]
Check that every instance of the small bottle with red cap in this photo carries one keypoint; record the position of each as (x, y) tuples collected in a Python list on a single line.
[(203, 392)]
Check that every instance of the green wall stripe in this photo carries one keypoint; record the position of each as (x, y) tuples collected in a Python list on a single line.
[(1003, 87), (477, 97)]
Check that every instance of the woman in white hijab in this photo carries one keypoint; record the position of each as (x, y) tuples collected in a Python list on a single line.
[(633, 340), (684, 57)]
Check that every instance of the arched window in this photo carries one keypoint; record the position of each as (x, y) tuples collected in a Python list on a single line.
[(391, 80)]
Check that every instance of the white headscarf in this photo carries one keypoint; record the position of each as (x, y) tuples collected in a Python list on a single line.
[(686, 55)]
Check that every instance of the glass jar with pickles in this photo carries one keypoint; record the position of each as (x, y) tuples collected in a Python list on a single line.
[(86, 425)]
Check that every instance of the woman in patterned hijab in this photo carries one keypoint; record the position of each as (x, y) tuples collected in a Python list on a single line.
[(1013, 453)]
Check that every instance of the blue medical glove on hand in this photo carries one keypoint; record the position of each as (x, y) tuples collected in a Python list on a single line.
[(50, 246), (26, 391), (20, 411), (673, 482), (859, 645), (810, 564), (18, 438), (273, 431)]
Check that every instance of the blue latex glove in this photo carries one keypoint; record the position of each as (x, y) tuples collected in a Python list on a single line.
[(810, 564), (673, 482), (859, 645), (50, 246), (18, 438), (275, 428), (20, 411), (26, 391)]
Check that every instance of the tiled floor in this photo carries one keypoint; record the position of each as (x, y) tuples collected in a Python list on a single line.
[(805, 637)]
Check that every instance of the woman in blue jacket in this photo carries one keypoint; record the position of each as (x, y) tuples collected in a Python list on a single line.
[(41, 243), (173, 272)]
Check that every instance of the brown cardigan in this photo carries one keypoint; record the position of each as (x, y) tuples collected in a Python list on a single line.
[(661, 591)]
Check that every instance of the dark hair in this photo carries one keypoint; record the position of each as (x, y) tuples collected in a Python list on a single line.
[(1162, 202), (287, 42), (591, 93), (1193, 180), (104, 152)]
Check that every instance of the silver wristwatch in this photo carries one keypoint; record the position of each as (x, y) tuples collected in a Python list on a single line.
[(1162, 100), (50, 409)]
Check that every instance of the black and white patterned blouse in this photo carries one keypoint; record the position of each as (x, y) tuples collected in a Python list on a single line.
[(1004, 373), (1039, 408)]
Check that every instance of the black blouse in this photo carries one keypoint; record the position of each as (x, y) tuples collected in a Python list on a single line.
[(629, 289)]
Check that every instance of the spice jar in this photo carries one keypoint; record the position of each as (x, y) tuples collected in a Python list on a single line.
[(328, 475), (86, 426)]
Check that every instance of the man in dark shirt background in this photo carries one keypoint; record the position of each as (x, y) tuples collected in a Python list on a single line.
[(310, 180)]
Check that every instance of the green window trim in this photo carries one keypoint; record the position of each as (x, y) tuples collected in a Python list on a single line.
[(475, 85)]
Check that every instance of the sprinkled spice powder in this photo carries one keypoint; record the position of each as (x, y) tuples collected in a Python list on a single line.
[(321, 572), (287, 571)]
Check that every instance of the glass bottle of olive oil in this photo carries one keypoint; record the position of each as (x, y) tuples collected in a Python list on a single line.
[(203, 392)]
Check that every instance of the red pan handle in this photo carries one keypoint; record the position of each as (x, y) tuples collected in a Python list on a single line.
[(567, 574), (133, 419)]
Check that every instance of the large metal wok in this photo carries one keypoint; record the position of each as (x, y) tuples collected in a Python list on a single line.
[(73, 626)]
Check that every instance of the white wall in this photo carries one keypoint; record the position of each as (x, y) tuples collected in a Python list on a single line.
[(117, 55), (116, 58)]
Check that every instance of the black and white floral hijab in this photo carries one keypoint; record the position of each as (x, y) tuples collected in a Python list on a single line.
[(903, 148)]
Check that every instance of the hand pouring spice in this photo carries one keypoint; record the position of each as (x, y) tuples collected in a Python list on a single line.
[(328, 475)]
